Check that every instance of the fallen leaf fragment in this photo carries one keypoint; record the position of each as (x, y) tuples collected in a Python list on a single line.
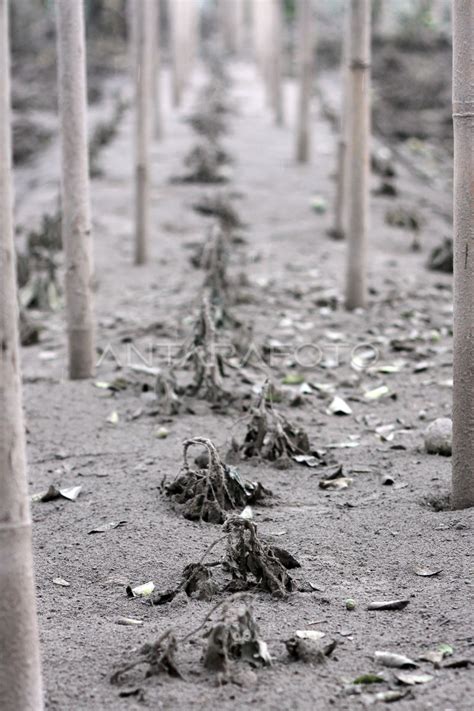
[(141, 590), (377, 393), (71, 493), (339, 407), (412, 678), (398, 661), (436, 656), (342, 482), (128, 621), (108, 526), (247, 513), (113, 418), (310, 634), (369, 679), (388, 605), (427, 572)]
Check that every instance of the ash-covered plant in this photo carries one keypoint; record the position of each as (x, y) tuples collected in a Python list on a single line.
[(269, 434), (253, 564), (158, 657), (205, 163), (234, 637), (219, 205), (168, 392), (208, 122), (209, 493), (202, 354)]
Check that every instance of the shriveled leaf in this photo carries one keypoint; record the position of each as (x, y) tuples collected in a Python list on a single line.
[(310, 634), (307, 459), (398, 661), (128, 621), (369, 678), (389, 696), (141, 590), (377, 393), (427, 572), (341, 482), (339, 407), (388, 605), (318, 204), (107, 526), (436, 656), (412, 678), (293, 379), (247, 513), (113, 418), (71, 492)]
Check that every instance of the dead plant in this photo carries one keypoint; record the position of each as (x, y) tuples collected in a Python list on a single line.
[(159, 657), (269, 434), (252, 563), (208, 494)]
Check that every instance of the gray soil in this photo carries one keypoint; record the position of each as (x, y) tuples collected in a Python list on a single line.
[(363, 542)]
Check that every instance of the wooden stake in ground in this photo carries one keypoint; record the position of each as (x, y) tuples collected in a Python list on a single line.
[(76, 220), (20, 678), (276, 59), (342, 179), (358, 134), (158, 124), (144, 77), (463, 119), (306, 46)]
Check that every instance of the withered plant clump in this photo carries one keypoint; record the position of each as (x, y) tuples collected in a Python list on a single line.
[(205, 162), (205, 165), (220, 206), (269, 434), (208, 122), (159, 657), (233, 638), (168, 392), (441, 257), (253, 564), (201, 352), (208, 494)]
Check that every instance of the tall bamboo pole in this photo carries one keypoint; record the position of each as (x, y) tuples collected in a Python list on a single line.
[(463, 354), (276, 59), (20, 676), (144, 67), (175, 31), (306, 46), (76, 220), (359, 134), (158, 123), (342, 179)]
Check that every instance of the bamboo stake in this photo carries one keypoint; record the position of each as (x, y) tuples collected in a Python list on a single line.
[(342, 180), (144, 55), (359, 133), (463, 353), (76, 220), (174, 15), (306, 46), (20, 675), (276, 59), (158, 124)]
